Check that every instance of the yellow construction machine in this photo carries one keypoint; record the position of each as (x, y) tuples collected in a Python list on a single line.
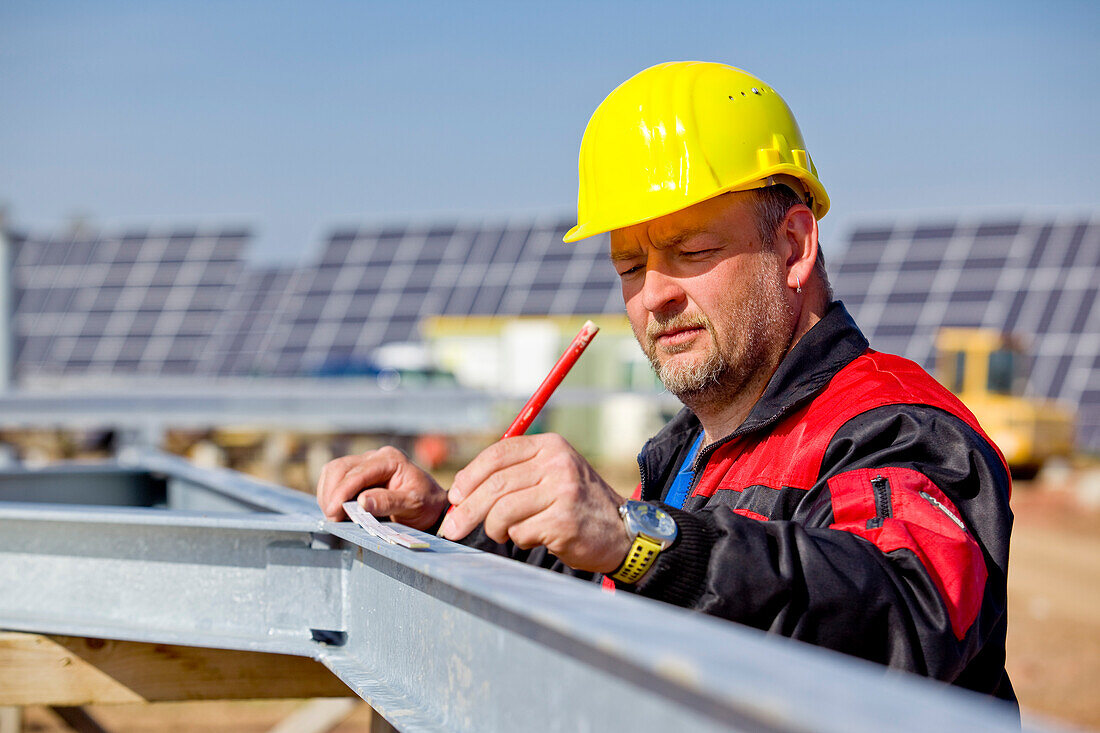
[(986, 370)]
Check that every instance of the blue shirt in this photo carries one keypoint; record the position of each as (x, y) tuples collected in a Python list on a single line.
[(677, 493)]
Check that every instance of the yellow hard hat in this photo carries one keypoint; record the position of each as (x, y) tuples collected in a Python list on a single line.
[(680, 133)]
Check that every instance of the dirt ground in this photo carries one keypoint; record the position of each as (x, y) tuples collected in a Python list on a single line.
[(1054, 604), (1053, 644)]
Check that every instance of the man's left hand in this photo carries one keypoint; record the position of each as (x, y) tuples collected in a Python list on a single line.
[(537, 490)]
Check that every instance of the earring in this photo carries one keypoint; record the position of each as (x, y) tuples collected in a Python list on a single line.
[(799, 281)]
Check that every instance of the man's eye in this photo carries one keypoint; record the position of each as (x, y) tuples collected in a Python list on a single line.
[(700, 252), (630, 270)]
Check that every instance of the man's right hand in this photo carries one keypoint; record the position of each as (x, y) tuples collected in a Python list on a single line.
[(385, 483)]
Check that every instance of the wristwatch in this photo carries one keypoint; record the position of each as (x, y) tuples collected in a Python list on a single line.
[(652, 530)]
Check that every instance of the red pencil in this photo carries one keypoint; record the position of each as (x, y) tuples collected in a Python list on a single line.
[(538, 400)]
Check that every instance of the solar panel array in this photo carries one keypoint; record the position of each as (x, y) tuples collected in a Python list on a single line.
[(1038, 280), (184, 302), (135, 303), (374, 286)]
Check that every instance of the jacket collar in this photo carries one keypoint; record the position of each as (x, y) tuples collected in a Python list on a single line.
[(833, 343)]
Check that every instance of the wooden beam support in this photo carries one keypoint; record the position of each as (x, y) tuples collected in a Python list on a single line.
[(79, 720), (71, 671), (11, 720), (318, 716)]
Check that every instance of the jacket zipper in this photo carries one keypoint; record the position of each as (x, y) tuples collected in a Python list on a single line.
[(883, 508), (939, 505), (701, 459), (704, 454)]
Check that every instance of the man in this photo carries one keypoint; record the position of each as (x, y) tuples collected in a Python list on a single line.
[(811, 486)]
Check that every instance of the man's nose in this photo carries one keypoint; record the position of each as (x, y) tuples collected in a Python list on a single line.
[(661, 291)]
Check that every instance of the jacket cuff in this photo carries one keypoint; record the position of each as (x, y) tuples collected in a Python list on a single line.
[(679, 574)]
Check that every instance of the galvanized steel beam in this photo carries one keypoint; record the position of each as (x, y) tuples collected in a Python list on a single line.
[(303, 405), (449, 639)]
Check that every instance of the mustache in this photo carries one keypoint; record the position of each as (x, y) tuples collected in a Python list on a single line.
[(675, 323)]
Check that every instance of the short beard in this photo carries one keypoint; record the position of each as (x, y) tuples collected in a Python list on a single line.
[(762, 318), (686, 380)]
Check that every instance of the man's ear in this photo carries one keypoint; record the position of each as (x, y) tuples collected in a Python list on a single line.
[(798, 235)]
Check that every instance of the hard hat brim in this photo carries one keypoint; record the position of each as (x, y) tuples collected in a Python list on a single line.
[(819, 206)]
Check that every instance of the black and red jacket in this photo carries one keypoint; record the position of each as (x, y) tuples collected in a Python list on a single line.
[(859, 507)]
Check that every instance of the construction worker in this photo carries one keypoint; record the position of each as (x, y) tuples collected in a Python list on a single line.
[(811, 486)]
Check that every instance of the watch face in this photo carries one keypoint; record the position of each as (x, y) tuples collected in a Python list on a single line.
[(651, 521)]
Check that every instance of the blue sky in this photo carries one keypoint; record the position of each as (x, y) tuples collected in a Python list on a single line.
[(295, 118)]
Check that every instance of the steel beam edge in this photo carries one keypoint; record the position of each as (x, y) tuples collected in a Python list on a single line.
[(247, 490)]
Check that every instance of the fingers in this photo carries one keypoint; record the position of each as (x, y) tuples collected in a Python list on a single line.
[(587, 535), (342, 479), (510, 466), (331, 475), (385, 503), (596, 542), (534, 531), (515, 509), (537, 490), (480, 499), (387, 484), (526, 516), (497, 457)]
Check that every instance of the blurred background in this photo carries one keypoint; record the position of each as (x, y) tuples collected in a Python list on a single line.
[(264, 234)]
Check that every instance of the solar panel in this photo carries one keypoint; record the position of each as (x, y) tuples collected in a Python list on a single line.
[(1035, 279)]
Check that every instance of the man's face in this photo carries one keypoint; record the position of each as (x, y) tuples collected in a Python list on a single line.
[(707, 301)]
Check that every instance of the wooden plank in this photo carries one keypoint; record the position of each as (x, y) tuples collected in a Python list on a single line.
[(317, 716), (64, 670)]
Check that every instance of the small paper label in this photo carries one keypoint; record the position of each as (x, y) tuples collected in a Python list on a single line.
[(368, 522)]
